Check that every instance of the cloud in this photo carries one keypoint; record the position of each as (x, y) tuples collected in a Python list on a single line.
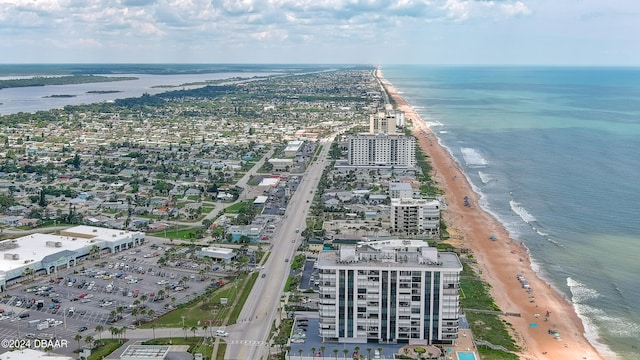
[(218, 24), (461, 10)]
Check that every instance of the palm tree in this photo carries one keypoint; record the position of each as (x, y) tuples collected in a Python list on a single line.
[(77, 338), (379, 351), (28, 273), (369, 353), (143, 297), (114, 331), (123, 331), (300, 351), (357, 350), (313, 351), (185, 328), (135, 312), (204, 328), (335, 351), (99, 330), (345, 351), (150, 313), (88, 340), (322, 349), (95, 249), (194, 329)]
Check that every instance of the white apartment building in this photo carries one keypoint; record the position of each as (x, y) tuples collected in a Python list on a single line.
[(389, 291), (400, 190), (386, 122), (382, 123), (415, 216), (382, 150)]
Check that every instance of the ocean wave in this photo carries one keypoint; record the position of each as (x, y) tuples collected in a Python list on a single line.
[(580, 292), (485, 178), (522, 212), (430, 124), (443, 132), (540, 232), (473, 158), (554, 242)]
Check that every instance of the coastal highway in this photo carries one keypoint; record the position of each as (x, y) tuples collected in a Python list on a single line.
[(248, 338)]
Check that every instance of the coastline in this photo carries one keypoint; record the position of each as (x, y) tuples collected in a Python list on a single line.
[(501, 261)]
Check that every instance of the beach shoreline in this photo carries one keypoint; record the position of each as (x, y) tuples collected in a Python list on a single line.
[(501, 260)]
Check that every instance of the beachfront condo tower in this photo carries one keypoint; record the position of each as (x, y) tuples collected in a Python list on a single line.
[(415, 216), (382, 150), (389, 291)]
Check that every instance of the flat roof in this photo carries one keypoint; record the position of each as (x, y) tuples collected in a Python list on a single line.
[(390, 253), (269, 182), (136, 352), (33, 248), (217, 250), (261, 199)]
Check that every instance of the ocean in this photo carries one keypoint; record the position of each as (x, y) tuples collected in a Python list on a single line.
[(554, 153)]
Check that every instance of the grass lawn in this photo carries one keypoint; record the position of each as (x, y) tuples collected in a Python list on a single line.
[(235, 208), (110, 345), (181, 233), (208, 307), (222, 348), (475, 295)]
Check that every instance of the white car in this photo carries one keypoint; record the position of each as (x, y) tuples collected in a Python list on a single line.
[(222, 333)]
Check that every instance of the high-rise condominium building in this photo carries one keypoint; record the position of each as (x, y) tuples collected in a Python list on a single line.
[(389, 291), (382, 150), (415, 216)]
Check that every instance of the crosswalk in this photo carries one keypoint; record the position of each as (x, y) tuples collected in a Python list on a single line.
[(248, 342)]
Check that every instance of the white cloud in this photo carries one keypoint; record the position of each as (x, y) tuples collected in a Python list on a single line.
[(461, 10)]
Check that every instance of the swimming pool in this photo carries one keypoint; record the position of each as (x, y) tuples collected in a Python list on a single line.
[(465, 355)]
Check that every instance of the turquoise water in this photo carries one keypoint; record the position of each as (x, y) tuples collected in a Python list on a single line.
[(465, 355), (555, 155)]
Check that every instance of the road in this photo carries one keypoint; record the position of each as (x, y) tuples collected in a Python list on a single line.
[(248, 338)]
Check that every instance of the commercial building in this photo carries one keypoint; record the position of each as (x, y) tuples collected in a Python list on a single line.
[(415, 216), (382, 150), (145, 352), (389, 291), (224, 255), (46, 253), (292, 148), (281, 165)]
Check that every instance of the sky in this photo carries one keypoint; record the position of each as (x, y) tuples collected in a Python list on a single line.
[(502, 32)]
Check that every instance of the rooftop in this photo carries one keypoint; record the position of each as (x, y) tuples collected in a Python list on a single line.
[(137, 352), (390, 253)]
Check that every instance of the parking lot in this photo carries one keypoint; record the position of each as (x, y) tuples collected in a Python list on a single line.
[(113, 290)]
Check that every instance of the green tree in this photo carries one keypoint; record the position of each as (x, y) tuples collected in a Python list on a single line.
[(99, 330), (77, 338), (88, 340)]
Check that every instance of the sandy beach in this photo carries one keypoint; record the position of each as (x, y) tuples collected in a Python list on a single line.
[(500, 261)]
